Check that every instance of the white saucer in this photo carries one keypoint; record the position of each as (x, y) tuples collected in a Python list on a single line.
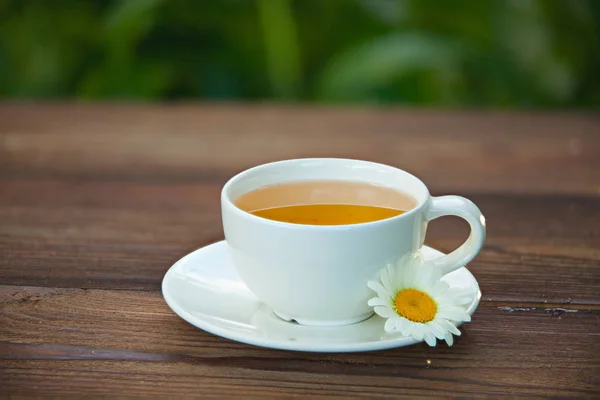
[(204, 289)]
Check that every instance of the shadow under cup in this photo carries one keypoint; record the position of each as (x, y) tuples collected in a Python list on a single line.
[(315, 274)]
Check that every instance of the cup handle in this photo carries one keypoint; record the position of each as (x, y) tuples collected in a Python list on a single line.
[(466, 209)]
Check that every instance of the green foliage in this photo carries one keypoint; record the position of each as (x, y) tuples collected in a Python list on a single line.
[(494, 53), (281, 46)]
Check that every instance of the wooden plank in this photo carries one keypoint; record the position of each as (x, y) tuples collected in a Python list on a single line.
[(109, 196), (73, 341), (126, 235), (450, 151)]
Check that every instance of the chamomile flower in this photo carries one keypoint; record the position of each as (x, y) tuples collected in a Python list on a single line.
[(416, 302)]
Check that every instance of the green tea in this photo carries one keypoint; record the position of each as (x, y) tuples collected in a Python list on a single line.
[(325, 202)]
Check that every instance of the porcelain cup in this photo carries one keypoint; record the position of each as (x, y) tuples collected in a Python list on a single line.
[(317, 275)]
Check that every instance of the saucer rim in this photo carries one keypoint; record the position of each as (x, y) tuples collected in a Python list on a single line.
[(388, 343)]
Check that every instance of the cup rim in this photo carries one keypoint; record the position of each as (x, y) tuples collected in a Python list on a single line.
[(226, 201)]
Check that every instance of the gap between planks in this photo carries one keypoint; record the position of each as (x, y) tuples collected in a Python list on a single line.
[(13, 293)]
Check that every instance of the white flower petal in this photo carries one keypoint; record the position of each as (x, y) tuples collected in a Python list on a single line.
[(390, 325), (459, 301), (456, 292), (398, 278), (415, 258), (381, 291), (421, 280), (378, 301), (405, 260), (458, 297), (449, 327), (408, 272), (417, 331), (398, 324), (385, 312), (451, 307), (430, 339), (436, 329), (405, 326), (449, 339), (455, 316), (437, 275), (440, 288), (454, 313), (385, 279)]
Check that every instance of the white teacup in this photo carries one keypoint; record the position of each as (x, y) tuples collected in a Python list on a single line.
[(317, 275)]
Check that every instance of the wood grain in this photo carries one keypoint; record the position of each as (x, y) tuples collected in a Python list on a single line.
[(97, 201), (94, 341), (450, 151)]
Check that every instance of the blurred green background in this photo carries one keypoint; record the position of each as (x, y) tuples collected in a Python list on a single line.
[(460, 53)]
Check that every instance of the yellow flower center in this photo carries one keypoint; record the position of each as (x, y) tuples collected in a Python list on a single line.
[(415, 306)]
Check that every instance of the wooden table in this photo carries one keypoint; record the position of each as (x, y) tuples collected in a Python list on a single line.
[(97, 201)]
